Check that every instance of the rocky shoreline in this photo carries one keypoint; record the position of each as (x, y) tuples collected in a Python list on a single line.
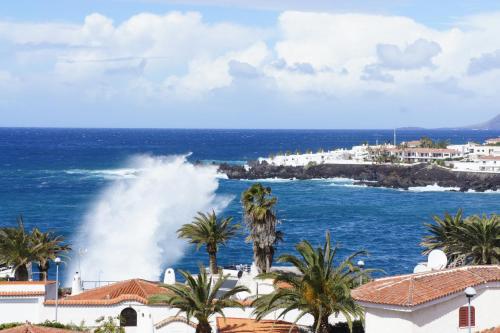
[(392, 176)]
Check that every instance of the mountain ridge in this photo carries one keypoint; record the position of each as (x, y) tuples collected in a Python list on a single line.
[(492, 124)]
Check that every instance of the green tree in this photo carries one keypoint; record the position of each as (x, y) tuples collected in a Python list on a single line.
[(16, 249), (47, 246), (426, 142), (20, 248), (108, 325), (260, 218), (473, 240), (321, 289), (200, 297), (208, 230)]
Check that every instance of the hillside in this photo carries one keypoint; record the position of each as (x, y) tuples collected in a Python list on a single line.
[(492, 124)]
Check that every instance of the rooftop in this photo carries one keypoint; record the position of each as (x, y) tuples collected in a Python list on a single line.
[(242, 325), (489, 158), (423, 150), (415, 289), (129, 290)]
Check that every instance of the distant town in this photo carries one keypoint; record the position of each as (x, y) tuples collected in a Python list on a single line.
[(469, 157)]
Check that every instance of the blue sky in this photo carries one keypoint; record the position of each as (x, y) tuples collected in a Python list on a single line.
[(241, 64)]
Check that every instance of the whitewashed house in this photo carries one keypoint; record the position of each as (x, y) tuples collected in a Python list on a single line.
[(432, 301), (24, 300)]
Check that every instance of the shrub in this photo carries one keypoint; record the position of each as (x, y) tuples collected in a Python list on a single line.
[(357, 327)]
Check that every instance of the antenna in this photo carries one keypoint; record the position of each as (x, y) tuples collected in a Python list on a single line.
[(437, 260), (395, 137)]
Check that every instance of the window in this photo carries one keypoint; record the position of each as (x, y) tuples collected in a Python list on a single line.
[(463, 316), (128, 317)]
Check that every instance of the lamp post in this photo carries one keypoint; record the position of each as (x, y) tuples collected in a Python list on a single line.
[(361, 265), (469, 293), (57, 261)]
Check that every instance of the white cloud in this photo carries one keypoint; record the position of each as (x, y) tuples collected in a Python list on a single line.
[(486, 62), (178, 56)]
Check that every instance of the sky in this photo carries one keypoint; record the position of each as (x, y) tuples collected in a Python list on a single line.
[(313, 64)]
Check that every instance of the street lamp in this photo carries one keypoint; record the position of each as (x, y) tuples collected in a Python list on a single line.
[(361, 265), (469, 293), (57, 261)]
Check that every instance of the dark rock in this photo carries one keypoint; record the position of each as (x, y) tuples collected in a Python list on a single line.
[(393, 176)]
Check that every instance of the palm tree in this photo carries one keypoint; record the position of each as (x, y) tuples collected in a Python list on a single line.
[(46, 247), (208, 230), (16, 249), (473, 240), (321, 289), (480, 237), (443, 234), (200, 297), (260, 218)]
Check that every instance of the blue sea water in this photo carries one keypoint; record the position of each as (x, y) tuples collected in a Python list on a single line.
[(51, 176)]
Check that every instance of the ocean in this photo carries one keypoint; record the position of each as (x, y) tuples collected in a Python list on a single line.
[(74, 181)]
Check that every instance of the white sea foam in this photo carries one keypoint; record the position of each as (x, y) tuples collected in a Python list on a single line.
[(130, 230), (105, 173), (487, 191), (433, 188), (270, 180)]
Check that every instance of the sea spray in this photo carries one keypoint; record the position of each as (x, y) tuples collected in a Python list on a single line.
[(130, 230)]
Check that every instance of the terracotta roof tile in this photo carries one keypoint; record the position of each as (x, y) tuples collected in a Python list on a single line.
[(492, 330), (21, 293), (414, 289), (243, 325), (130, 290), (28, 328)]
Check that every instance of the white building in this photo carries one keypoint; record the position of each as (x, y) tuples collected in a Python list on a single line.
[(493, 141), (432, 301), (489, 164), (419, 155), (355, 155), (35, 302)]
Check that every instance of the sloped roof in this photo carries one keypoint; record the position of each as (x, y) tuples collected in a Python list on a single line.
[(492, 330), (28, 328), (21, 293), (244, 325), (415, 289), (129, 290)]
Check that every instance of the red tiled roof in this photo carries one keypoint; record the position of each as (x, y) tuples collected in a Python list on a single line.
[(21, 293), (494, 140), (28, 328), (489, 157), (414, 289), (130, 290), (492, 330), (243, 325), (423, 150)]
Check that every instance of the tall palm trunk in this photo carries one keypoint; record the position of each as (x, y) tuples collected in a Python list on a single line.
[(43, 267), (321, 325), (269, 257), (259, 258), (21, 273), (203, 327), (213, 262)]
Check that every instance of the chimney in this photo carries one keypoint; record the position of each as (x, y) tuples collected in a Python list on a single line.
[(169, 277), (76, 285)]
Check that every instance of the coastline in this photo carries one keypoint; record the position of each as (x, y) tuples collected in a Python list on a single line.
[(390, 176)]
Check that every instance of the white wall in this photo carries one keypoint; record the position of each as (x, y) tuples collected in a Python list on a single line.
[(380, 320), (441, 317), (20, 309)]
